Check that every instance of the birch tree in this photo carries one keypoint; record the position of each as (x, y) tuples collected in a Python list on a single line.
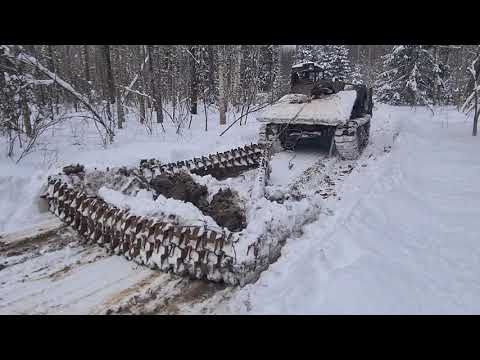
[(193, 81), (222, 79), (471, 104)]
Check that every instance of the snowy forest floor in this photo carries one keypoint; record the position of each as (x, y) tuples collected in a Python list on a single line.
[(399, 236)]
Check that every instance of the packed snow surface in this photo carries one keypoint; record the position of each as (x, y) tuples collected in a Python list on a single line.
[(401, 237), (142, 204), (332, 110), (286, 165)]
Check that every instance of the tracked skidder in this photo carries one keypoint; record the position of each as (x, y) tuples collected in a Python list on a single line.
[(330, 112)]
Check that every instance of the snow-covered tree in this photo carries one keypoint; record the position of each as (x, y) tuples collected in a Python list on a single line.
[(309, 53), (412, 76), (356, 76), (336, 62), (471, 104)]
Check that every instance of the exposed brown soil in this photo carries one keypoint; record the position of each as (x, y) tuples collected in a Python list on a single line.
[(181, 186), (226, 211), (224, 208), (73, 169)]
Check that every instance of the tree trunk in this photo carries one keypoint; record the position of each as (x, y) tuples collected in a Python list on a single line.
[(51, 67), (206, 116), (457, 79), (474, 79), (26, 117), (477, 113), (222, 89), (118, 94), (286, 58), (67, 70), (109, 86), (156, 94), (193, 82), (211, 74), (141, 105), (86, 64), (159, 93), (120, 113), (109, 74), (435, 86), (51, 59), (141, 82), (237, 89)]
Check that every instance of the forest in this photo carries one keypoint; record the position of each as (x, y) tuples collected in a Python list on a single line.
[(239, 179), (166, 84)]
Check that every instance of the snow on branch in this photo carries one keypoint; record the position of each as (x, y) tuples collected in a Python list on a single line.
[(138, 93), (467, 106), (54, 78), (30, 60), (188, 51), (135, 79)]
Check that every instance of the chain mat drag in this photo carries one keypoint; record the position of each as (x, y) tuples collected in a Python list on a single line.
[(193, 251)]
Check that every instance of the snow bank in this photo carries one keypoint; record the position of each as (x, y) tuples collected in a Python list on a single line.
[(20, 203), (270, 222), (143, 205)]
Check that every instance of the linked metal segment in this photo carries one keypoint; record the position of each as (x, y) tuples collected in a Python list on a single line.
[(194, 251)]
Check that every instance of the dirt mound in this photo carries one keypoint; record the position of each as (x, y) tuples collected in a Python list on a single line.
[(181, 186), (224, 208), (226, 211), (73, 169)]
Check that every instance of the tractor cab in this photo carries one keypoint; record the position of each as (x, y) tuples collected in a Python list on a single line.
[(308, 78), (304, 76)]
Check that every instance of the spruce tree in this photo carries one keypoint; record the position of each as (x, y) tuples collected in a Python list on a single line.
[(306, 53), (337, 63), (356, 76), (412, 76)]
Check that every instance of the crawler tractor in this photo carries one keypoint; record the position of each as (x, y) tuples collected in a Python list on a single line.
[(332, 112)]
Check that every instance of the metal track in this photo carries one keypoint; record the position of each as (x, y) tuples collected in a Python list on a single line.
[(186, 250), (351, 138), (193, 251), (220, 165)]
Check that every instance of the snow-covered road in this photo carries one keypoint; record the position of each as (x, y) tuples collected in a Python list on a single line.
[(404, 239), (400, 237)]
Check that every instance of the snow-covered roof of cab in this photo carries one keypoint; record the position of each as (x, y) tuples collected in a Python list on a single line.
[(305, 64), (331, 110)]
